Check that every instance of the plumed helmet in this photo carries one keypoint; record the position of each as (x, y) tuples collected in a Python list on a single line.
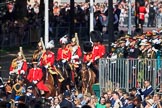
[(64, 40), (75, 39), (87, 46), (39, 44), (19, 54), (50, 45)]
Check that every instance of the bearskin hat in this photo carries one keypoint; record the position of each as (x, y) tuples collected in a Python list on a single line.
[(87, 46), (95, 36)]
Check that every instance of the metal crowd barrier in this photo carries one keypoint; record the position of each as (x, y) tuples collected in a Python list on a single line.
[(129, 73)]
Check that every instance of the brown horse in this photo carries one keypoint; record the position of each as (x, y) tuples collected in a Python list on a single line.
[(49, 83), (88, 79)]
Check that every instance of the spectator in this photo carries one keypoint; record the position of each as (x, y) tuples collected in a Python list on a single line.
[(66, 102), (108, 104), (157, 101), (117, 11), (151, 15), (125, 96), (135, 94), (77, 103), (82, 99), (93, 101), (130, 103), (148, 90), (142, 12), (116, 21), (117, 103), (101, 103), (55, 103)]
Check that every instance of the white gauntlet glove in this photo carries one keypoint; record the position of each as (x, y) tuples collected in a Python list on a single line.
[(88, 64), (22, 72), (46, 66), (75, 57), (35, 82), (64, 60), (11, 72)]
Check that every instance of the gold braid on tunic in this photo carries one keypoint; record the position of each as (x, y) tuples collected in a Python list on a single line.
[(14, 63)]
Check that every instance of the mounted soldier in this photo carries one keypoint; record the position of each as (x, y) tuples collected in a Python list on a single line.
[(75, 58), (63, 59), (35, 76), (18, 66), (38, 53), (98, 52), (47, 62), (87, 73)]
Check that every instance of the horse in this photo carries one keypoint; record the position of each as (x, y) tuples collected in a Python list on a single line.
[(88, 79), (66, 72), (49, 83)]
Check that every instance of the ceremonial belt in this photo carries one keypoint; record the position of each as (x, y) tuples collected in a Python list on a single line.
[(56, 72)]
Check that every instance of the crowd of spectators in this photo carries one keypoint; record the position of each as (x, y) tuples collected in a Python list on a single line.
[(143, 97), (60, 18)]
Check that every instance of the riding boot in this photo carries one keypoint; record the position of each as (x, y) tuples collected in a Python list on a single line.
[(55, 81), (44, 74)]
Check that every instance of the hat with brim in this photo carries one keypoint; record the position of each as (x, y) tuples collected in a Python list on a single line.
[(66, 93), (149, 34), (150, 101), (144, 43)]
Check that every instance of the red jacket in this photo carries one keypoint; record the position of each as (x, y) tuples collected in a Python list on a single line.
[(142, 11), (103, 51), (36, 75), (87, 57), (63, 54), (48, 58), (18, 66), (98, 51)]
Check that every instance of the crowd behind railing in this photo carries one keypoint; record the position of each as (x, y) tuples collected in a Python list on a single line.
[(31, 28)]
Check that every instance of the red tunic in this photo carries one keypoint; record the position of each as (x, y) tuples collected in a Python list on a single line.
[(18, 66), (142, 11), (98, 51), (36, 75), (48, 58), (103, 51), (87, 57), (63, 54)]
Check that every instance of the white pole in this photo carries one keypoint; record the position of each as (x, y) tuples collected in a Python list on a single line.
[(129, 16), (91, 16), (46, 36)]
